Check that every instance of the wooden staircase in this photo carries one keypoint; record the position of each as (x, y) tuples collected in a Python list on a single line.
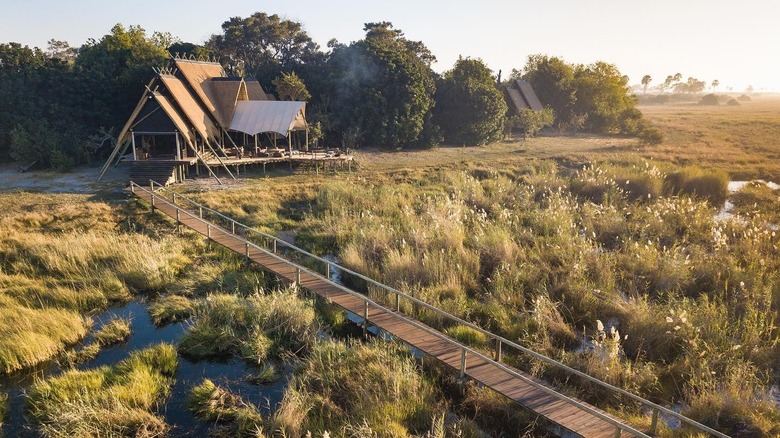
[(159, 171)]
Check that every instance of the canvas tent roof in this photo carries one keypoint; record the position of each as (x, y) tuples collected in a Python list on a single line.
[(256, 116), (523, 96)]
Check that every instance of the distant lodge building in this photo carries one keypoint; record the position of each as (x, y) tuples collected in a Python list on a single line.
[(522, 96), (192, 115)]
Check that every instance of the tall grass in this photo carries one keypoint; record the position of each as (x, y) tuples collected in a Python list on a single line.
[(109, 401), (210, 402), (253, 327), (538, 255), (375, 387)]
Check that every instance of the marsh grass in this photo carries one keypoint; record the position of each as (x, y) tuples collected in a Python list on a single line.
[(3, 406), (376, 387), (33, 336), (267, 374), (114, 331), (758, 201), (253, 327), (114, 400), (171, 308), (539, 254), (694, 181)]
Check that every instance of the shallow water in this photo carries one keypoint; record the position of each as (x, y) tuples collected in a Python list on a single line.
[(230, 374)]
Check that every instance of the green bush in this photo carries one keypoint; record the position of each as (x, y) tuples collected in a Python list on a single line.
[(709, 99), (651, 136)]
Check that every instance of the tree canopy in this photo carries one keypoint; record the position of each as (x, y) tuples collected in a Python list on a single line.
[(469, 108), (382, 87)]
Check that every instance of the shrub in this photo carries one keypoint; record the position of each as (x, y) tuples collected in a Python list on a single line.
[(732, 102), (744, 98), (651, 136), (711, 185), (709, 99)]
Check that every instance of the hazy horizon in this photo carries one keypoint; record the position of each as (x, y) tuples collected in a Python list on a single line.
[(731, 42)]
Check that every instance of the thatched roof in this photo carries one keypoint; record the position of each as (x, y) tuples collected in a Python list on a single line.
[(223, 95), (523, 96), (255, 90), (198, 72), (177, 120), (190, 107)]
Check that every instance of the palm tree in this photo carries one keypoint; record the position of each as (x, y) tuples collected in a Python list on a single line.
[(646, 81)]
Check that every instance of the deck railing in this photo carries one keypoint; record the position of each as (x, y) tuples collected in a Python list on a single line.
[(499, 342)]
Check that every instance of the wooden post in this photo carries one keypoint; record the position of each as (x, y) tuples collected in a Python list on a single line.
[(498, 350), (233, 224), (174, 199), (246, 242), (327, 270), (298, 275), (208, 230), (200, 211), (397, 302), (365, 319), (152, 195), (654, 422), (135, 155), (462, 363), (618, 432), (178, 221), (274, 246)]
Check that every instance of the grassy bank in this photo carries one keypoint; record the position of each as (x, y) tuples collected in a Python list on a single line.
[(114, 400), (676, 306)]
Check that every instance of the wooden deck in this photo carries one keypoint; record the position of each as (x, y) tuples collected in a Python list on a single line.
[(571, 415)]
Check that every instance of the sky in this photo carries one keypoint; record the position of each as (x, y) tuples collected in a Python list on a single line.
[(736, 42)]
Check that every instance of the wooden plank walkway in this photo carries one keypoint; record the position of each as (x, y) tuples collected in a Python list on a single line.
[(571, 415)]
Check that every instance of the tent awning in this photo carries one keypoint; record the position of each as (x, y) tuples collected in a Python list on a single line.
[(256, 116)]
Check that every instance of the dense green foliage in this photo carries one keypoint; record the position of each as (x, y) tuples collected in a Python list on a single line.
[(595, 95), (61, 107), (381, 88), (469, 108)]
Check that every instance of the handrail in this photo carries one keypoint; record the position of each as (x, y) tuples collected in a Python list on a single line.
[(500, 339)]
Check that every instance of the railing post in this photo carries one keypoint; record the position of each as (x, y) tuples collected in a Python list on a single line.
[(618, 432), (327, 270), (233, 223), (208, 230), (498, 349), (132, 187), (178, 220), (152, 196), (174, 198), (654, 422), (200, 211), (397, 302), (462, 363), (246, 242), (365, 319), (151, 186), (298, 275), (274, 246)]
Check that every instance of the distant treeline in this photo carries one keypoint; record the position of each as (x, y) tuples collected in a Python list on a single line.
[(61, 106)]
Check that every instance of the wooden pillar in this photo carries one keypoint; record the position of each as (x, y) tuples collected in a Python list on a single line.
[(132, 136), (289, 147), (178, 146)]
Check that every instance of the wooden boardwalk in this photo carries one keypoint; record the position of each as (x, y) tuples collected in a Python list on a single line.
[(574, 417)]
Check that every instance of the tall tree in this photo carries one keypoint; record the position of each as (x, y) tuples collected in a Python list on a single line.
[(112, 71), (715, 84), (381, 89), (263, 45), (469, 108), (604, 95), (646, 79), (553, 80)]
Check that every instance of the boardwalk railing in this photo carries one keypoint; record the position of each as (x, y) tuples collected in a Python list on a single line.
[(275, 244)]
